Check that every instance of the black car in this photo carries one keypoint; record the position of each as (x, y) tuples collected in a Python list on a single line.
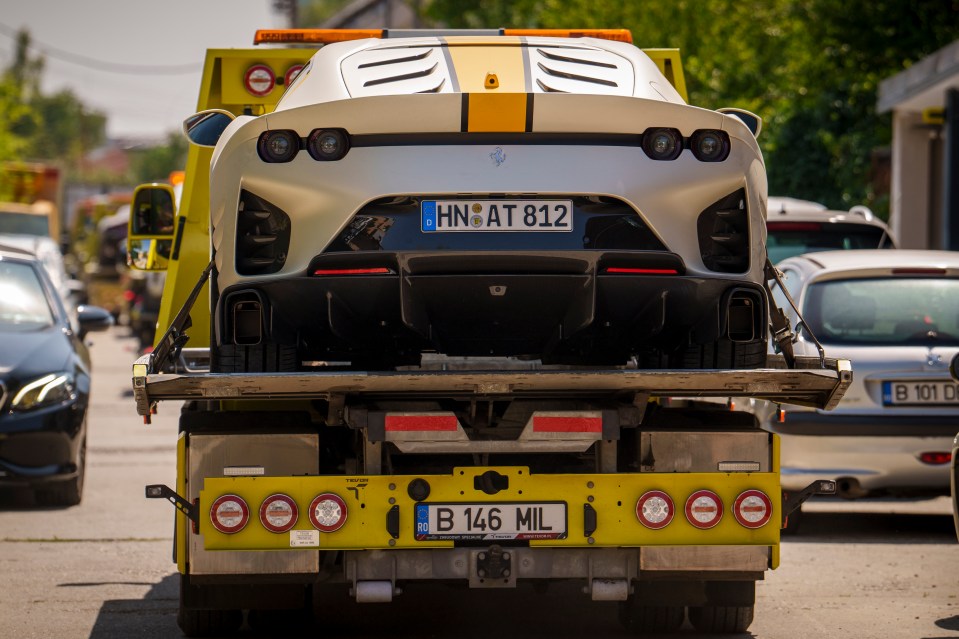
[(44, 382)]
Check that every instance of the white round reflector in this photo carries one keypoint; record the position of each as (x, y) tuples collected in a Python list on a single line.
[(327, 512), (229, 514), (704, 509), (291, 74), (259, 80), (655, 509), (752, 509), (278, 513)]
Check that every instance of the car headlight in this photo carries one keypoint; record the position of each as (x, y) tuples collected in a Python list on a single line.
[(45, 391)]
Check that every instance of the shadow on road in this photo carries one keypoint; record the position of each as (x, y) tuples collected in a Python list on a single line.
[(874, 528), (152, 617)]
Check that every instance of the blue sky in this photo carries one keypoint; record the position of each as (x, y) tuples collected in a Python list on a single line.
[(117, 55)]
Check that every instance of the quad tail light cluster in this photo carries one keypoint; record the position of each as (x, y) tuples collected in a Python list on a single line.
[(659, 143), (704, 509), (278, 513)]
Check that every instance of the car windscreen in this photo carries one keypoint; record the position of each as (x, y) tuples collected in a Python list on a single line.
[(885, 311), (23, 301), (788, 239), (24, 223)]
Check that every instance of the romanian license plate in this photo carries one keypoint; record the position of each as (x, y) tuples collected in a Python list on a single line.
[(490, 521), (920, 393), (496, 215)]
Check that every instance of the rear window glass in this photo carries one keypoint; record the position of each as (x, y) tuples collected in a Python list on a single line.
[(23, 303), (23, 223), (787, 239), (885, 311)]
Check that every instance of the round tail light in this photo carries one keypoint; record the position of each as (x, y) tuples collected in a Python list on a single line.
[(229, 514), (752, 509), (663, 144), (655, 509), (327, 512), (704, 509), (327, 144), (278, 146), (259, 80), (709, 145), (278, 513)]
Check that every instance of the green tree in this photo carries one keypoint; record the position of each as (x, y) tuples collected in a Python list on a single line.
[(156, 163)]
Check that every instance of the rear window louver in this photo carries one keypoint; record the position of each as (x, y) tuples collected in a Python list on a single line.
[(396, 71), (557, 70)]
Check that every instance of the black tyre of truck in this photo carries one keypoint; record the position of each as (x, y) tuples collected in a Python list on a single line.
[(266, 357), (724, 354), (721, 619), (195, 622), (68, 492), (648, 620)]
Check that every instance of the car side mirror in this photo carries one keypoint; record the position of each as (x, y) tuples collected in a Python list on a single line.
[(954, 367), (93, 319), (150, 230), (206, 127), (752, 121)]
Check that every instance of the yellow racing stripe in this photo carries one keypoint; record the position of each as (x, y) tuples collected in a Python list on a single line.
[(499, 106)]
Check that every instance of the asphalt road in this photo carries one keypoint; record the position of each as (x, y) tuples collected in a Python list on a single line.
[(878, 570)]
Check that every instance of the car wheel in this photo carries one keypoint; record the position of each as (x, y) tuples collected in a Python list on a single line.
[(69, 492), (723, 353), (721, 619)]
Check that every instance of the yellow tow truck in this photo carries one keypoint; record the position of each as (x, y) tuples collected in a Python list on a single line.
[(388, 377)]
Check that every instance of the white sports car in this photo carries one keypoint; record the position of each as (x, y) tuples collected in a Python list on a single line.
[(534, 197)]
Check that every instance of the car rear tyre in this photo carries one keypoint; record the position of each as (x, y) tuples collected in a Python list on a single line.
[(266, 357), (723, 353), (645, 620), (721, 619)]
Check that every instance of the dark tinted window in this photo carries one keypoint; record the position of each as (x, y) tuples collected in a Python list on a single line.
[(24, 224), (787, 239)]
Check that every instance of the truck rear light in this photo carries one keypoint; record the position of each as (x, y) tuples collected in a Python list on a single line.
[(229, 514), (327, 512), (752, 509), (936, 458), (704, 509), (655, 509), (662, 143), (278, 513), (259, 80), (278, 146), (328, 144)]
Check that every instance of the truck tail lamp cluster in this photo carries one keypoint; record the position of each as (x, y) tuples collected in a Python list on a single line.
[(278, 513), (704, 509), (281, 145), (707, 145), (259, 80)]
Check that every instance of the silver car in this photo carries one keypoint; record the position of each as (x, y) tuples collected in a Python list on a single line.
[(895, 316)]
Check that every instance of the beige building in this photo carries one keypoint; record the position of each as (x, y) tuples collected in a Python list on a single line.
[(924, 194)]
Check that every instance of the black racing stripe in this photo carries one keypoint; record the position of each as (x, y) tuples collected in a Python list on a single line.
[(465, 114), (465, 138), (527, 69), (529, 112), (454, 81)]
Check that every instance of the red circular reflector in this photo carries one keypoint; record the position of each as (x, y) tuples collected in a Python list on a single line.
[(752, 509), (229, 514), (291, 74), (655, 509), (259, 80), (327, 512), (704, 509), (278, 513)]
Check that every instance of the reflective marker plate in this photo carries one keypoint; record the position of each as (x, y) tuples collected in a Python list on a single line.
[(490, 521), (447, 216), (942, 393)]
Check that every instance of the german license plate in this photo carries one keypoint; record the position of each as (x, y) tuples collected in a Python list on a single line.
[(490, 521), (446, 216), (920, 393)]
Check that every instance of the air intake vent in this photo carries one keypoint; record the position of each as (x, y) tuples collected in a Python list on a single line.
[(262, 236), (724, 234), (396, 71), (573, 70)]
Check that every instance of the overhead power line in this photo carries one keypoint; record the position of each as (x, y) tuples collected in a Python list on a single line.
[(102, 65)]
